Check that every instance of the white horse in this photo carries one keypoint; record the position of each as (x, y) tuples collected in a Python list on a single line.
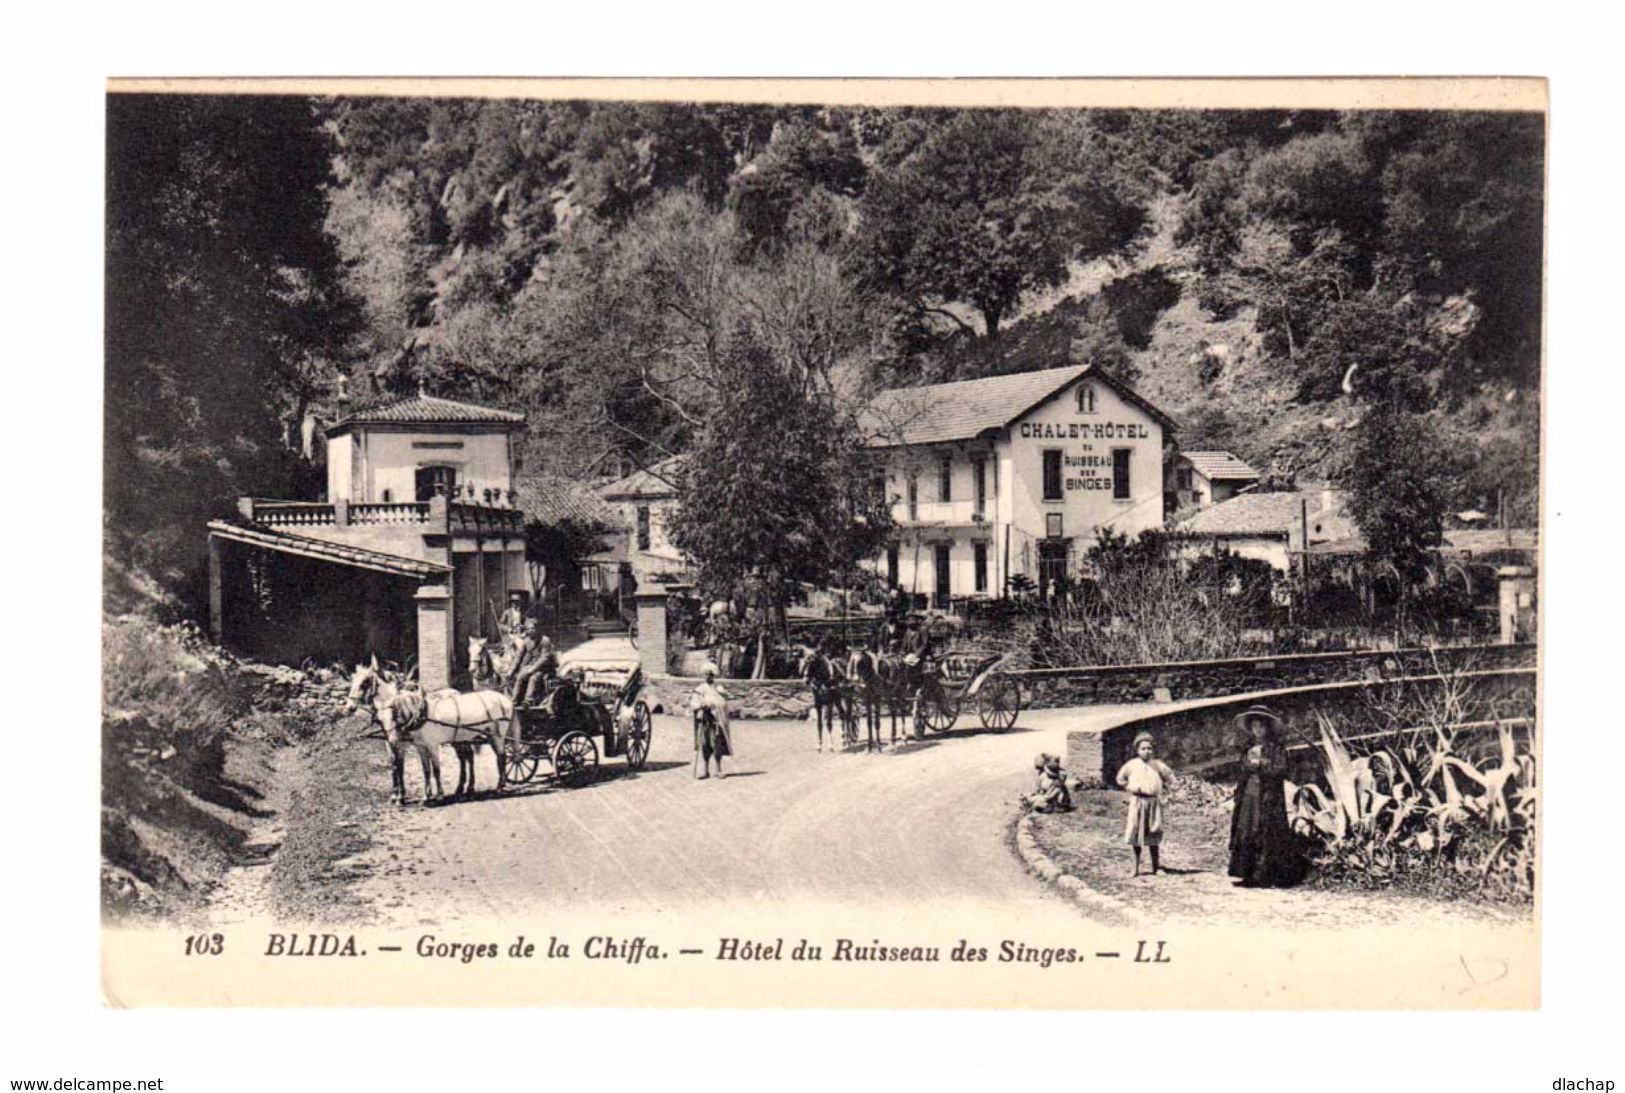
[(429, 722)]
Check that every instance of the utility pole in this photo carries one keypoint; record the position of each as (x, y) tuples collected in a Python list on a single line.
[(1303, 542)]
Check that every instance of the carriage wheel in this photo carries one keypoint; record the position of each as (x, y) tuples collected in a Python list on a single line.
[(574, 758), (998, 702), (936, 709), (520, 765), (638, 736)]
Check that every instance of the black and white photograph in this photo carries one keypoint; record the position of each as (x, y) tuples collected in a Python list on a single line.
[(847, 546)]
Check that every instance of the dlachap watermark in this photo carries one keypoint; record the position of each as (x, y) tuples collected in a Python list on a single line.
[(1565, 1085)]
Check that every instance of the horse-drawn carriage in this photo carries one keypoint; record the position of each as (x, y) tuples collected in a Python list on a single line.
[(562, 728), (865, 687), (962, 676)]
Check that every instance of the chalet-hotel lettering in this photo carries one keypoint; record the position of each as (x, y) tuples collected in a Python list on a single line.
[(1013, 475)]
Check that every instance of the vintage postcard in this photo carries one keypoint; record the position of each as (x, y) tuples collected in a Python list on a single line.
[(841, 543)]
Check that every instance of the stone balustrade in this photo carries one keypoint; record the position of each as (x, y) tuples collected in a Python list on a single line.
[(433, 517)]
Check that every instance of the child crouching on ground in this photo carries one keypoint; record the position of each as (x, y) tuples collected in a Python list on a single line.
[(1051, 793), (1144, 777)]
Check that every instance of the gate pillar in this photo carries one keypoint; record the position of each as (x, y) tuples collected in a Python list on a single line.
[(1517, 602), (434, 636), (652, 631)]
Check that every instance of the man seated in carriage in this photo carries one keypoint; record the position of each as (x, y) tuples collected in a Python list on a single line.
[(534, 668), (564, 701), (918, 648)]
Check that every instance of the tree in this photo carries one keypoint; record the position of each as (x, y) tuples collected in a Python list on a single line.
[(1399, 477), (559, 547), (981, 207), (777, 486), (224, 317)]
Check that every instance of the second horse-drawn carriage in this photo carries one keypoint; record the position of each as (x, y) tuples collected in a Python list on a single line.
[(959, 677)]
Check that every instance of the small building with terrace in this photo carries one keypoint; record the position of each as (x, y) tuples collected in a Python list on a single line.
[(416, 546)]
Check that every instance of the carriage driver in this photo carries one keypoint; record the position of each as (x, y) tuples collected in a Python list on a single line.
[(534, 669)]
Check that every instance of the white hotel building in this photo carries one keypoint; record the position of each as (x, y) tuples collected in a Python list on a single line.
[(1013, 474)]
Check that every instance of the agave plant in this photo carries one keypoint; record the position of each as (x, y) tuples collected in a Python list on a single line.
[(1389, 807)]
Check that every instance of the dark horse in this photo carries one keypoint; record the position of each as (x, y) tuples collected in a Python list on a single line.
[(826, 678), (876, 680)]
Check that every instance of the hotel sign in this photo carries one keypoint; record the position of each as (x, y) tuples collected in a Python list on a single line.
[(1082, 430)]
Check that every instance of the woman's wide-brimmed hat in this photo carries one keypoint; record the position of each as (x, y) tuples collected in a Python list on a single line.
[(709, 668), (1263, 713)]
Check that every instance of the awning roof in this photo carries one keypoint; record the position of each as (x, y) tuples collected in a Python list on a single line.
[(324, 551)]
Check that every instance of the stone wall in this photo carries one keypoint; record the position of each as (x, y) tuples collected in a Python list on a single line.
[(1043, 688), (758, 699), (1124, 684), (1203, 738)]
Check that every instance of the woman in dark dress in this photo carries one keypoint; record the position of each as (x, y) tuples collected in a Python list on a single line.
[(1263, 852)]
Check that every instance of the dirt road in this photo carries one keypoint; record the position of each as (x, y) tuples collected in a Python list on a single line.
[(789, 827)]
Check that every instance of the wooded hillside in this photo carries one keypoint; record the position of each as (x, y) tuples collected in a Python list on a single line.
[(1282, 283)]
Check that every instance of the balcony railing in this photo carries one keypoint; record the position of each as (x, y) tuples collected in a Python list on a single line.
[(944, 513), (431, 517), (392, 513), (291, 514)]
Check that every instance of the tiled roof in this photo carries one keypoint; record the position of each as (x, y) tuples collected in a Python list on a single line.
[(969, 408), (546, 499), (322, 550), (1461, 541), (1254, 514), (421, 409), (1219, 466), (655, 480)]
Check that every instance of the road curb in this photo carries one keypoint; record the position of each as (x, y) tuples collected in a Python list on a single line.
[(1041, 865)]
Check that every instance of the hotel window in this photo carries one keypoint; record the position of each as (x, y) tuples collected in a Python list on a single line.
[(1052, 474), (980, 559), (945, 479), (1184, 478), (913, 496), (643, 527), (980, 474), (1120, 484), (1086, 399), (891, 565)]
